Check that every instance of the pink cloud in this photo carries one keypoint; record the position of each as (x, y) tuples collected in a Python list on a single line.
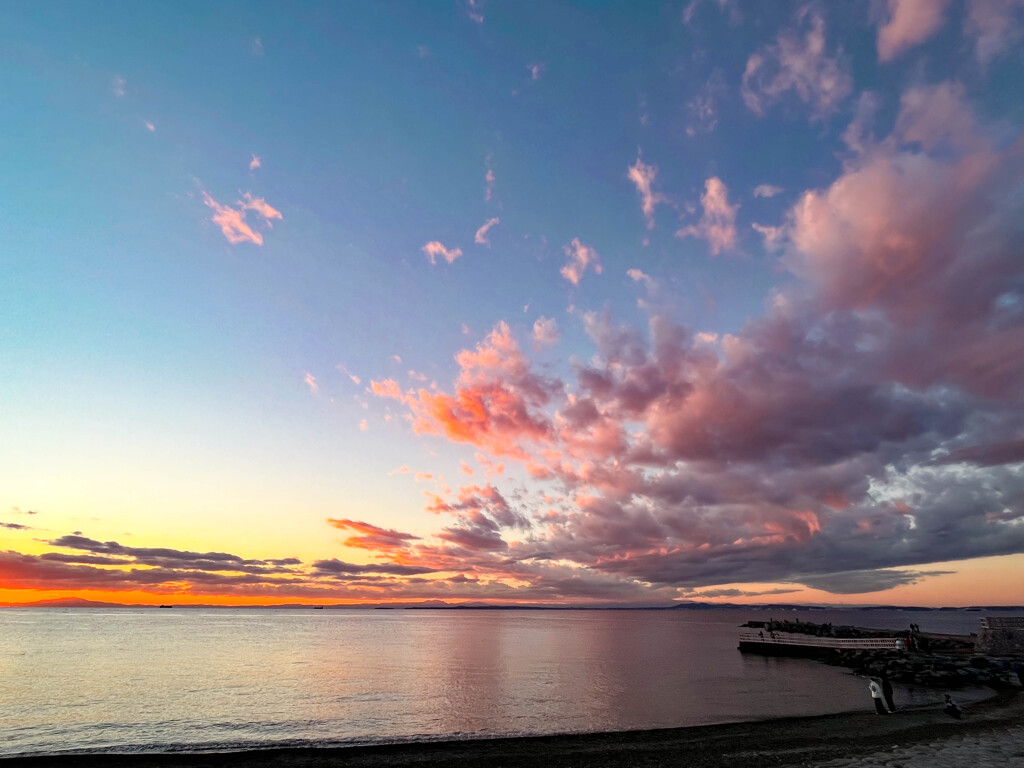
[(908, 23), (639, 276), (232, 221), (255, 163), (580, 258), (433, 249), (310, 380), (718, 223), (798, 64), (480, 238), (686, 459), (643, 177), (150, 127), (363, 425), (773, 236)]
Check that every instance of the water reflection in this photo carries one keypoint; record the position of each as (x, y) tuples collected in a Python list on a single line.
[(85, 678)]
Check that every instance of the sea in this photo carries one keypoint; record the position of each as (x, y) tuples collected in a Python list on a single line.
[(130, 680)]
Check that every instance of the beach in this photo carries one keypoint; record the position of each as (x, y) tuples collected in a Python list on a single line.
[(991, 733)]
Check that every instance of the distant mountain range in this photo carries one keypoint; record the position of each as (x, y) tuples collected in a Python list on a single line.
[(77, 602)]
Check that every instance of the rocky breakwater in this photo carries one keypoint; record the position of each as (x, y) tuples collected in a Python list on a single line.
[(933, 670), (929, 660)]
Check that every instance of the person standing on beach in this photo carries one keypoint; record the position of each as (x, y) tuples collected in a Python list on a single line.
[(876, 696), (887, 692)]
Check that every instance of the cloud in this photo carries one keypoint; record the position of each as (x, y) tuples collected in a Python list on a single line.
[(908, 23), (799, 64), (859, 582), (16, 526), (766, 190), (489, 180), (475, 10), (363, 425), (257, 47), (643, 177), (150, 127), (231, 220), (535, 70), (118, 85), (255, 163), (987, 455), (433, 249), (773, 236), (480, 238), (334, 567), (545, 331), (639, 276), (718, 223), (372, 537), (702, 109), (580, 258), (310, 380), (995, 25), (866, 425)]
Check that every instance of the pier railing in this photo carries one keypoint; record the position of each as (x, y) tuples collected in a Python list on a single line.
[(814, 641)]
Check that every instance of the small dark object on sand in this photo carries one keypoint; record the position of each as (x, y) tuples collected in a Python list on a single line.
[(951, 709)]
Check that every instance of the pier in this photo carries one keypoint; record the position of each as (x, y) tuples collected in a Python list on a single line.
[(793, 644)]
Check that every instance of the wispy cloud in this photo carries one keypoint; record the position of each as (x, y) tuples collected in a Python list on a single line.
[(118, 85), (717, 225), (581, 258), (480, 238), (545, 331), (773, 236), (150, 127), (767, 190), (798, 63), (488, 180), (433, 249), (643, 176), (536, 71), (995, 26), (255, 163), (475, 10), (310, 380)]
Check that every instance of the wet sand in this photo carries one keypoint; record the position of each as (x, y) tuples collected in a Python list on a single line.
[(991, 733)]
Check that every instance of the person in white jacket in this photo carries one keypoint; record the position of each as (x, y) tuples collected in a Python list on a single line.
[(876, 696)]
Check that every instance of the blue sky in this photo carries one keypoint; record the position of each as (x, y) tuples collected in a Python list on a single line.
[(169, 381)]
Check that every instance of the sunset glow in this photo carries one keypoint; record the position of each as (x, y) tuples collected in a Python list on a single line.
[(509, 302)]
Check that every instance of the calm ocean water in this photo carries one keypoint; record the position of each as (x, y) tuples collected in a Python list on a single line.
[(128, 680)]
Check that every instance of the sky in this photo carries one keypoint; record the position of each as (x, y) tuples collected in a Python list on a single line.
[(544, 302)]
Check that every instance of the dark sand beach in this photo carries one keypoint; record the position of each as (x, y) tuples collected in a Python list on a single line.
[(851, 737)]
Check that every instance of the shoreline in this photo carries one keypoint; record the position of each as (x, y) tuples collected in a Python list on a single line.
[(775, 741)]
